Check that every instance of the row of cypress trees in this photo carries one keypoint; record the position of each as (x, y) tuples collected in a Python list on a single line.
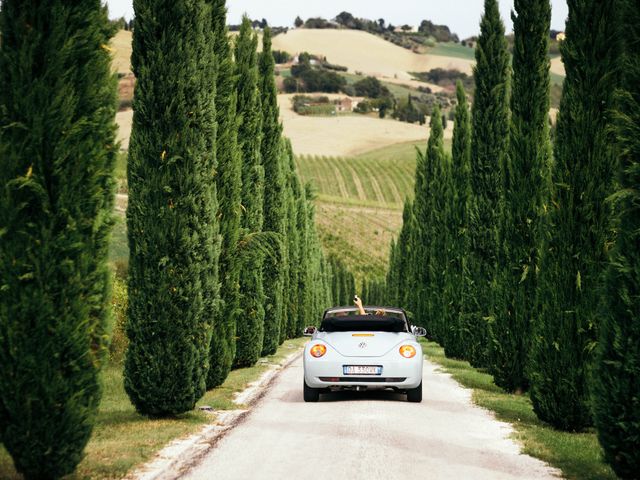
[(225, 258), (57, 154), (508, 254)]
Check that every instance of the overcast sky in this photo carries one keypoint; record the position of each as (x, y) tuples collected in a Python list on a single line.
[(462, 16)]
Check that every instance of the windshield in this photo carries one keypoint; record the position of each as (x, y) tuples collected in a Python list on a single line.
[(376, 311), (364, 323)]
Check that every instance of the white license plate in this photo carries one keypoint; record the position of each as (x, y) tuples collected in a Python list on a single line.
[(361, 370)]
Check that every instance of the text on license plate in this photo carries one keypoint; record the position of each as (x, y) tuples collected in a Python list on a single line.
[(361, 370)]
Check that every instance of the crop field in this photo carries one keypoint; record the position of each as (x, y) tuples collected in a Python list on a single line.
[(359, 202), (454, 50), (363, 52), (382, 178), (121, 44)]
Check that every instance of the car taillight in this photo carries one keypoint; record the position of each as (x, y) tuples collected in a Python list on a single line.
[(407, 351), (318, 350)]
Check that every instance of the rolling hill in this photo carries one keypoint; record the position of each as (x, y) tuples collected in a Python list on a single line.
[(363, 52)]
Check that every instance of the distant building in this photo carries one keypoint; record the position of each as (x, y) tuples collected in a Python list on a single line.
[(346, 104), (561, 37)]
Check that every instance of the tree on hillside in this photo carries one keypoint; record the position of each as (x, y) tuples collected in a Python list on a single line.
[(250, 321), (57, 153), (458, 221), (617, 379), (298, 22), (526, 189), (490, 121), (229, 188), (274, 194), (577, 236), (171, 217)]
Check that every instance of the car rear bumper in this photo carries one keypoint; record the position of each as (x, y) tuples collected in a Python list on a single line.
[(403, 374)]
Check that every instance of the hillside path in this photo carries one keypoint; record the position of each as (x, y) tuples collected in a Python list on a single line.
[(369, 435)]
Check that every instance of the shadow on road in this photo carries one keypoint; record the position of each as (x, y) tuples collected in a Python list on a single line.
[(293, 396)]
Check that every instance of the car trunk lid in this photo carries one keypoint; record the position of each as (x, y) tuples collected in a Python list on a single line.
[(364, 344)]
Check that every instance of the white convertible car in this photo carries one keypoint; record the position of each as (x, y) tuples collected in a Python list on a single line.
[(374, 351)]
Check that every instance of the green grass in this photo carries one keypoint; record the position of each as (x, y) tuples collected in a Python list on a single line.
[(119, 246), (121, 172), (557, 79), (122, 439), (455, 50), (578, 455)]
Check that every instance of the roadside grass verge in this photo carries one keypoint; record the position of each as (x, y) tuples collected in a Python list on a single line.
[(122, 439), (578, 455)]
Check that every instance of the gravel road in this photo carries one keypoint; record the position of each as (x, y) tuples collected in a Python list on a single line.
[(374, 435)]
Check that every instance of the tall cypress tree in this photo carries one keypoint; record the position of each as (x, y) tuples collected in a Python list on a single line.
[(294, 238), (458, 225), (171, 215), (404, 257), (490, 121), (57, 152), (305, 282), (525, 193), (435, 228), (250, 321), (617, 386), (420, 237), (274, 194), (576, 239), (229, 187)]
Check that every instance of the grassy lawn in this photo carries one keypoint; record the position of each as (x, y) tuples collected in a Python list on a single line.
[(122, 439), (578, 455), (455, 50)]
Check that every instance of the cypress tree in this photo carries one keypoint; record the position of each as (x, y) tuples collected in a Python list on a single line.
[(617, 379), (171, 215), (392, 274), (304, 267), (490, 121), (458, 224), (436, 172), (525, 192), (404, 255), (274, 194), (57, 153), (419, 260), (229, 187), (293, 246), (250, 321), (576, 239)]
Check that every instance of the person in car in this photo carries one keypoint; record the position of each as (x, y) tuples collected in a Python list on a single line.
[(358, 302)]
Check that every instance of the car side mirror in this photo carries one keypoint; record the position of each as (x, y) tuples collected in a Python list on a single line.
[(309, 331), (419, 331)]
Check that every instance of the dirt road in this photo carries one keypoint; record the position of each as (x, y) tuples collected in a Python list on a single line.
[(369, 436)]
